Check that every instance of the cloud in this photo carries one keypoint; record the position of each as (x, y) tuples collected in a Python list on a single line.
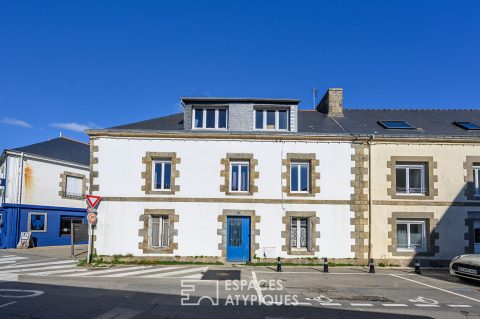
[(15, 122), (75, 127)]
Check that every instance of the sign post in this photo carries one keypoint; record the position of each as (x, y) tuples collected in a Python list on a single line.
[(92, 202)]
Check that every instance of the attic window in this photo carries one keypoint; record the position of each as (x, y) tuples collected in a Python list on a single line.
[(401, 125), (467, 125)]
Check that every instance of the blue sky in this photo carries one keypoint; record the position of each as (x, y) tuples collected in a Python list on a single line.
[(67, 65)]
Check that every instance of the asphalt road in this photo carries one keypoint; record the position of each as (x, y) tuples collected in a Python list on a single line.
[(38, 287)]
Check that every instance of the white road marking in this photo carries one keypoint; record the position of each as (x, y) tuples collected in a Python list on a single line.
[(441, 289), (107, 271), (299, 303), (256, 286), (28, 271), (139, 272), (7, 304), (32, 293), (46, 273), (426, 305), (361, 305), (10, 260), (330, 304), (394, 305), (8, 277), (37, 264), (460, 306), (196, 276), (166, 274), (119, 313), (35, 261)]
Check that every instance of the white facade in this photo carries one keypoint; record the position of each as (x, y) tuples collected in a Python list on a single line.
[(34, 180), (200, 201)]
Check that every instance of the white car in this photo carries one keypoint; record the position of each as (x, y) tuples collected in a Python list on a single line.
[(466, 266)]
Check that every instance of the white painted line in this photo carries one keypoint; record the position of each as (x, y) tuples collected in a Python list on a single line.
[(8, 277), (7, 304), (46, 273), (361, 305), (139, 272), (18, 266), (30, 270), (256, 286), (196, 276), (441, 289), (299, 303), (426, 305), (330, 304), (394, 305), (460, 306), (34, 261), (107, 271), (31, 293), (171, 273), (119, 313)]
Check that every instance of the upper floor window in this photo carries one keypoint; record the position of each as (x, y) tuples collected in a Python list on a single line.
[(239, 172), (476, 179), (74, 186), (266, 119), (162, 175), (410, 179), (210, 118), (299, 179)]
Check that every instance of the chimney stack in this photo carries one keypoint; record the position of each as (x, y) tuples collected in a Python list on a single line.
[(332, 102)]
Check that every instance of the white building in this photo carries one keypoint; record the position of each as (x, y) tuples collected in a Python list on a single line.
[(230, 180)]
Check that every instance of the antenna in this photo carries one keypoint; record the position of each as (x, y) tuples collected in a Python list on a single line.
[(314, 96), (60, 133)]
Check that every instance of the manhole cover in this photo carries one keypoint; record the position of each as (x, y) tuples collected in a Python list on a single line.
[(221, 275)]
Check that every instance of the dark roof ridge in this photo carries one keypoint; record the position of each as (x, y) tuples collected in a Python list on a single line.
[(409, 109)]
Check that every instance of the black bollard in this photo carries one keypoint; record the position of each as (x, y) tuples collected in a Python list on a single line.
[(279, 265), (372, 266), (325, 264), (417, 267)]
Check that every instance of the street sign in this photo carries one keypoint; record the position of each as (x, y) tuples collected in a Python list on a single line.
[(91, 210), (92, 218), (2, 182), (92, 200)]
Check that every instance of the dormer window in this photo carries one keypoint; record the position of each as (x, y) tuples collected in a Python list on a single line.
[(210, 118), (271, 119)]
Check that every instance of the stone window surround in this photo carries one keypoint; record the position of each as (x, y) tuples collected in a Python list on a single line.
[(254, 220), (313, 221), (314, 175), (472, 217), (30, 222), (147, 175), (225, 172), (63, 185), (431, 178), (469, 177), (172, 232), (431, 233)]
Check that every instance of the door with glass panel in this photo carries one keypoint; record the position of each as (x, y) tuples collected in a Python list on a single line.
[(411, 235), (299, 234), (476, 237), (238, 238)]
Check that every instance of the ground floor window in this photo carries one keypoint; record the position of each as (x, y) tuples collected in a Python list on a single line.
[(476, 179), (37, 222), (66, 224), (299, 233), (158, 231), (411, 235)]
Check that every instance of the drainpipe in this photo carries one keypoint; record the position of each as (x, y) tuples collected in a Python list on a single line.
[(4, 197), (20, 184), (369, 143)]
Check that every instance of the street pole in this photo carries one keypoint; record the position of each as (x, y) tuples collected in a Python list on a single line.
[(89, 248)]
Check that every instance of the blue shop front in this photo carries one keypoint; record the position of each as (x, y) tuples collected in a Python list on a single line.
[(49, 226)]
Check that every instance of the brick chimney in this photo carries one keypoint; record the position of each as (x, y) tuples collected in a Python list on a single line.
[(332, 102)]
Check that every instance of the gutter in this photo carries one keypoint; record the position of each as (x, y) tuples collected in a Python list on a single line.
[(369, 143)]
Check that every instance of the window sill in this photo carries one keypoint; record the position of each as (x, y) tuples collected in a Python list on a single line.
[(209, 129)]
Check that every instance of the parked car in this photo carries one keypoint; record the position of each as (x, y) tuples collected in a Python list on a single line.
[(466, 266)]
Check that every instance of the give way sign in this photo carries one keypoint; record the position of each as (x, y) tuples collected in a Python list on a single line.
[(92, 200)]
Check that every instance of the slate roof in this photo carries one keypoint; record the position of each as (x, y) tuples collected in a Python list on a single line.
[(63, 149), (172, 122)]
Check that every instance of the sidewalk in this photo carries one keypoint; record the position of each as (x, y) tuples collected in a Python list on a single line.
[(52, 251)]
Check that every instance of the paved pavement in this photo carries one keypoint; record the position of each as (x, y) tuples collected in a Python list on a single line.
[(48, 287)]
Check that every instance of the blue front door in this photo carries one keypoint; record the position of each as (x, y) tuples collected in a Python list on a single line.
[(238, 238)]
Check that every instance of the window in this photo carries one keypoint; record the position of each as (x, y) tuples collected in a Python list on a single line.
[(467, 125), (162, 175), (396, 125), (271, 119), (239, 173), (37, 222), (299, 233), (158, 227), (210, 118), (299, 179), (66, 224), (476, 179), (410, 179), (74, 186), (411, 235)]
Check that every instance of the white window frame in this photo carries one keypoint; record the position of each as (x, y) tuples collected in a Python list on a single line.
[(66, 186), (164, 226), (240, 164), (424, 236), (154, 175), (299, 232), (299, 176), (407, 168), (217, 117), (476, 181), (277, 120)]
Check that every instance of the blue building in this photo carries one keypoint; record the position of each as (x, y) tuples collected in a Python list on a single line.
[(43, 191)]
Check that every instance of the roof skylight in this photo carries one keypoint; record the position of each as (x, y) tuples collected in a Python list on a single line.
[(402, 125), (467, 125)]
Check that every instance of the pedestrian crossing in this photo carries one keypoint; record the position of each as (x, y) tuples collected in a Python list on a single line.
[(12, 266)]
